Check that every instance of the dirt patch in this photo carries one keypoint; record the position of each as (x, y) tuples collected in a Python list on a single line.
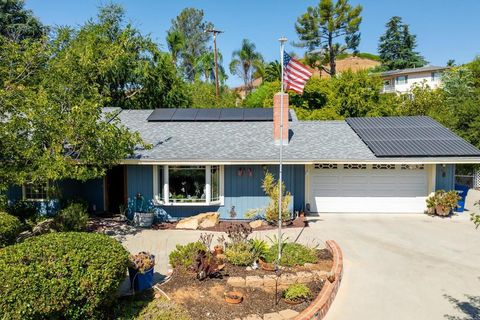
[(205, 300)]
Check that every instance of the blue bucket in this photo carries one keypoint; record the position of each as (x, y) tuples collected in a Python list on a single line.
[(462, 192), (140, 281)]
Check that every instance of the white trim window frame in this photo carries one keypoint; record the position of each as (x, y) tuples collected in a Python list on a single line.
[(30, 194), (212, 193)]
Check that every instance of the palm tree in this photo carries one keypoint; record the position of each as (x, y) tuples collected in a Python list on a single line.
[(273, 72), (245, 62), (205, 66), (175, 43)]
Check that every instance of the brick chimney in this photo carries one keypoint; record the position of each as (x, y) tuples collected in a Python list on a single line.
[(277, 105)]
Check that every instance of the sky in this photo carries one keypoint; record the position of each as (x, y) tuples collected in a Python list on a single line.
[(445, 29)]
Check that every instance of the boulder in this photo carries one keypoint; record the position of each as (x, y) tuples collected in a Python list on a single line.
[(200, 221), (256, 224)]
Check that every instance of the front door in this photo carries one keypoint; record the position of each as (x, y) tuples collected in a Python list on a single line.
[(115, 189)]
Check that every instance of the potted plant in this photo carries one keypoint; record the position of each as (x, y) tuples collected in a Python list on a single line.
[(296, 293), (445, 202), (140, 270), (233, 297), (143, 212)]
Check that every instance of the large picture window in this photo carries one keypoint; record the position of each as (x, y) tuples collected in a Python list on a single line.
[(188, 185)]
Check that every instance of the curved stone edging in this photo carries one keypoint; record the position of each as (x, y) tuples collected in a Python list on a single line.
[(320, 306)]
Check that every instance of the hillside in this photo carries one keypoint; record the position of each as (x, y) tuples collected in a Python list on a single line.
[(354, 63)]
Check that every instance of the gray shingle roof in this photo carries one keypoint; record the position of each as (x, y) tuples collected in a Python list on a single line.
[(412, 70), (237, 141)]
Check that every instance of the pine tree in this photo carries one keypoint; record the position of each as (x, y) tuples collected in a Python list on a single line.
[(397, 46)]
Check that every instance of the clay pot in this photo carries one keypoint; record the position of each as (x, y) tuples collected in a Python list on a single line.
[(233, 297), (217, 250), (442, 211), (266, 266), (301, 214)]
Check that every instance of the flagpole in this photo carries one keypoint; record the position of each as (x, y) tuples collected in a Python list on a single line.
[(282, 41)]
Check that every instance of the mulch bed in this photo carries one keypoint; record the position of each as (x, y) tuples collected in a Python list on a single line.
[(205, 299), (222, 226)]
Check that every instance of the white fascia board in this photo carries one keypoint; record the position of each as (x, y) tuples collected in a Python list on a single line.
[(450, 160)]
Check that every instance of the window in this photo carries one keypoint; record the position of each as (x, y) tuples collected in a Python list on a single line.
[(435, 76), (354, 166), (326, 166), (35, 191), (383, 167), (188, 185), (401, 80), (215, 195)]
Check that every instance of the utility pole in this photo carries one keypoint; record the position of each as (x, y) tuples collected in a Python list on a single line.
[(217, 84)]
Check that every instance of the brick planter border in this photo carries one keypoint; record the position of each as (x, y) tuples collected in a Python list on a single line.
[(320, 306)]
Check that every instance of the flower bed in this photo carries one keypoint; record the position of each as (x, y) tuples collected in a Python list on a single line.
[(200, 281)]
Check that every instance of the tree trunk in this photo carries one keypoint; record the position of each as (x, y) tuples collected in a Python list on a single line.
[(333, 66)]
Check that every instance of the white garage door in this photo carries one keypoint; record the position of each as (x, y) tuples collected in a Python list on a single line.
[(368, 188)]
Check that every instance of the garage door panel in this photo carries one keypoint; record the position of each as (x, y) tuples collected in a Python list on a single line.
[(368, 190)]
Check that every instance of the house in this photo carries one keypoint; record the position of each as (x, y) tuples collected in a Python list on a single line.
[(401, 81), (205, 160)]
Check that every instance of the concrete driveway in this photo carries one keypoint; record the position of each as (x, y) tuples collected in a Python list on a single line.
[(396, 266)]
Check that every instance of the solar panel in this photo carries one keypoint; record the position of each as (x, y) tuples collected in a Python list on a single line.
[(258, 114), (161, 115), (208, 115), (410, 137), (185, 115), (231, 114)]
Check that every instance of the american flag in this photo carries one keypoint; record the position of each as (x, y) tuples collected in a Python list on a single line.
[(295, 74)]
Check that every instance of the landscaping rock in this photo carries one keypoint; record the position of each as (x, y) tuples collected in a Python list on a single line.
[(202, 221), (254, 281), (309, 265), (319, 273), (269, 280), (256, 224), (331, 276), (304, 277), (252, 317), (287, 279), (272, 316), (288, 314), (236, 282)]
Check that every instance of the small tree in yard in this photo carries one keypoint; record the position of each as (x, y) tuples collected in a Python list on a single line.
[(270, 186)]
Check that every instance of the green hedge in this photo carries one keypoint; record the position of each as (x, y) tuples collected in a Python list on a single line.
[(61, 276), (10, 227)]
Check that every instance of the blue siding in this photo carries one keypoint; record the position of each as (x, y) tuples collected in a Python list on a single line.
[(140, 180), (242, 193), (90, 191), (445, 177), (14, 193)]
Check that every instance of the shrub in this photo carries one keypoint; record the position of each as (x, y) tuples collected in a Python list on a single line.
[(24, 210), (293, 254), (184, 255), (10, 227), (271, 189), (72, 218), (61, 276), (239, 253), (296, 292), (259, 248)]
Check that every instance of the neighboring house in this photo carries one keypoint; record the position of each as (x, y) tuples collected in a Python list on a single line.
[(205, 160), (401, 81)]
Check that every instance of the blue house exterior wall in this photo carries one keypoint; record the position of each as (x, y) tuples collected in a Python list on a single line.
[(445, 177), (90, 191), (241, 193)]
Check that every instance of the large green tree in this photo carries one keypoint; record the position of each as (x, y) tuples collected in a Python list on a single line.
[(18, 23), (397, 47), (245, 61), (127, 67), (52, 122), (322, 26), (191, 26)]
